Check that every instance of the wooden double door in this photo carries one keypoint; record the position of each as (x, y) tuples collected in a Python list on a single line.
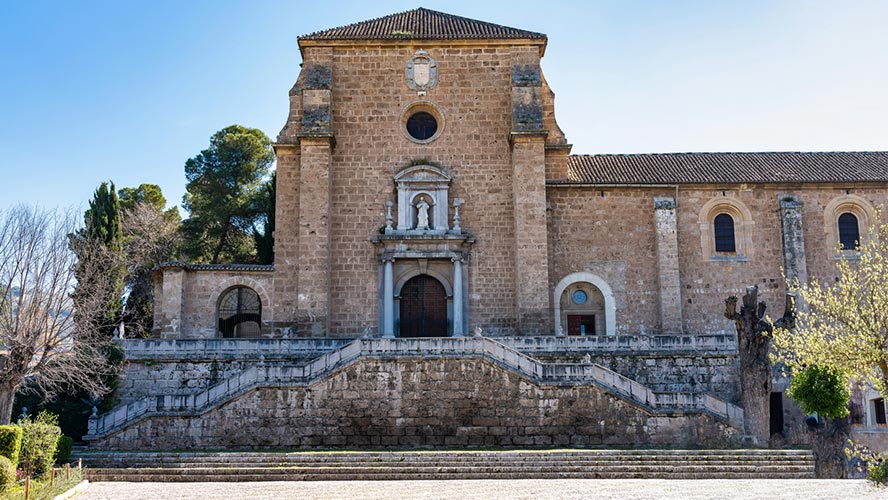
[(423, 308)]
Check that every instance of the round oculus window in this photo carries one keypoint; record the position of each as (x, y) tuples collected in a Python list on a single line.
[(580, 297), (422, 126)]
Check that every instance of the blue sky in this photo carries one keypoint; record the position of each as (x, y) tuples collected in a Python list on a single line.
[(127, 91)]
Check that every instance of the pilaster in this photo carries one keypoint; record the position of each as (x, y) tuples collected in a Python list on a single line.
[(528, 141), (172, 304), (286, 239), (313, 256), (667, 265), (794, 264)]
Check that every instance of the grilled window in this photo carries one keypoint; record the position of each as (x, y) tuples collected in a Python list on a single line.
[(240, 313), (724, 233), (849, 231)]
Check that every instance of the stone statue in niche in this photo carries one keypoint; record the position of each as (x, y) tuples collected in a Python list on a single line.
[(422, 215)]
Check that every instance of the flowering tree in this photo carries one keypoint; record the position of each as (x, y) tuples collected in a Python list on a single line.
[(844, 325)]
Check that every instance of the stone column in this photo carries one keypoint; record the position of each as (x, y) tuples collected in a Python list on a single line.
[(667, 265), (457, 298), (528, 141), (794, 264), (388, 299)]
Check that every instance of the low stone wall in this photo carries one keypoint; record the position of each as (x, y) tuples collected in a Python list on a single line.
[(715, 374), (421, 402), (158, 367)]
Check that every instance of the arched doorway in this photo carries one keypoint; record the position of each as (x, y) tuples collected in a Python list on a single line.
[(582, 310), (423, 308)]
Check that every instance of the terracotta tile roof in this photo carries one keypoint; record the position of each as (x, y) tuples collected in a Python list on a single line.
[(421, 24), (217, 267), (728, 168)]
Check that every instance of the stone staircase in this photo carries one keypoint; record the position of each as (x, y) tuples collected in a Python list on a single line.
[(267, 375), (417, 465)]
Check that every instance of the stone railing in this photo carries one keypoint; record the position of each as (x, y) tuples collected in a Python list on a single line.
[(273, 374), (625, 344), (195, 349)]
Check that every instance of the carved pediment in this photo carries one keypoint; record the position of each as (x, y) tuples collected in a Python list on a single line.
[(422, 173)]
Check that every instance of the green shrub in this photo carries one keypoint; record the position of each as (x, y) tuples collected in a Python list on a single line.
[(40, 437), (820, 390), (10, 443), (878, 470), (7, 473), (63, 450)]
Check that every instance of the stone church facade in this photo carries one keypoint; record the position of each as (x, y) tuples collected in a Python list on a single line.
[(447, 273)]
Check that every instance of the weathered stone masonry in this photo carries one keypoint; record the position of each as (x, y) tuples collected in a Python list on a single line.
[(488, 225)]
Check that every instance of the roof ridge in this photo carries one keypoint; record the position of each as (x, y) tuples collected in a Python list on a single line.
[(729, 168), (426, 24), (712, 153)]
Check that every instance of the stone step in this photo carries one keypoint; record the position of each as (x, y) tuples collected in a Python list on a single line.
[(141, 465), (464, 468), (423, 458), (167, 477), (129, 462), (461, 453), (309, 466)]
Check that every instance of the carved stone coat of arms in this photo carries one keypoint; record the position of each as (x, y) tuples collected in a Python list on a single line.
[(421, 71)]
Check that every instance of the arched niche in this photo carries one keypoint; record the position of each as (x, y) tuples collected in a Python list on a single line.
[(596, 289), (427, 181)]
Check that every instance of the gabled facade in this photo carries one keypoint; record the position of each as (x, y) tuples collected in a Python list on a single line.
[(425, 189)]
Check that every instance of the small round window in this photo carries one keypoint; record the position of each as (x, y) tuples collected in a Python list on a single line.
[(422, 126), (422, 122), (580, 297)]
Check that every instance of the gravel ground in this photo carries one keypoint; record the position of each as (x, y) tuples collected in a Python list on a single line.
[(555, 489)]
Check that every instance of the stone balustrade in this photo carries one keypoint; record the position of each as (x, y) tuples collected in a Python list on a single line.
[(196, 349), (278, 374)]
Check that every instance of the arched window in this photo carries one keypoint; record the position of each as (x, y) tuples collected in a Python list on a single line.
[(240, 313), (849, 231), (723, 225)]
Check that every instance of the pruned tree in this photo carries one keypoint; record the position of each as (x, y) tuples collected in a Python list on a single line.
[(753, 345), (39, 340), (149, 194), (150, 237)]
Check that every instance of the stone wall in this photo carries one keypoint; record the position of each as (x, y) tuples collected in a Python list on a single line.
[(612, 233), (411, 403), (716, 374), (368, 100)]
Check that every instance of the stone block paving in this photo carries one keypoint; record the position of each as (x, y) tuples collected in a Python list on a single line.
[(554, 489)]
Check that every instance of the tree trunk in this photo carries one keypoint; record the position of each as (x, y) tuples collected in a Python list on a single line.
[(7, 396), (753, 344), (829, 449), (222, 241)]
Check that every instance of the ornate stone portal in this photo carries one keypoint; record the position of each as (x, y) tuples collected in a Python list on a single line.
[(423, 244)]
